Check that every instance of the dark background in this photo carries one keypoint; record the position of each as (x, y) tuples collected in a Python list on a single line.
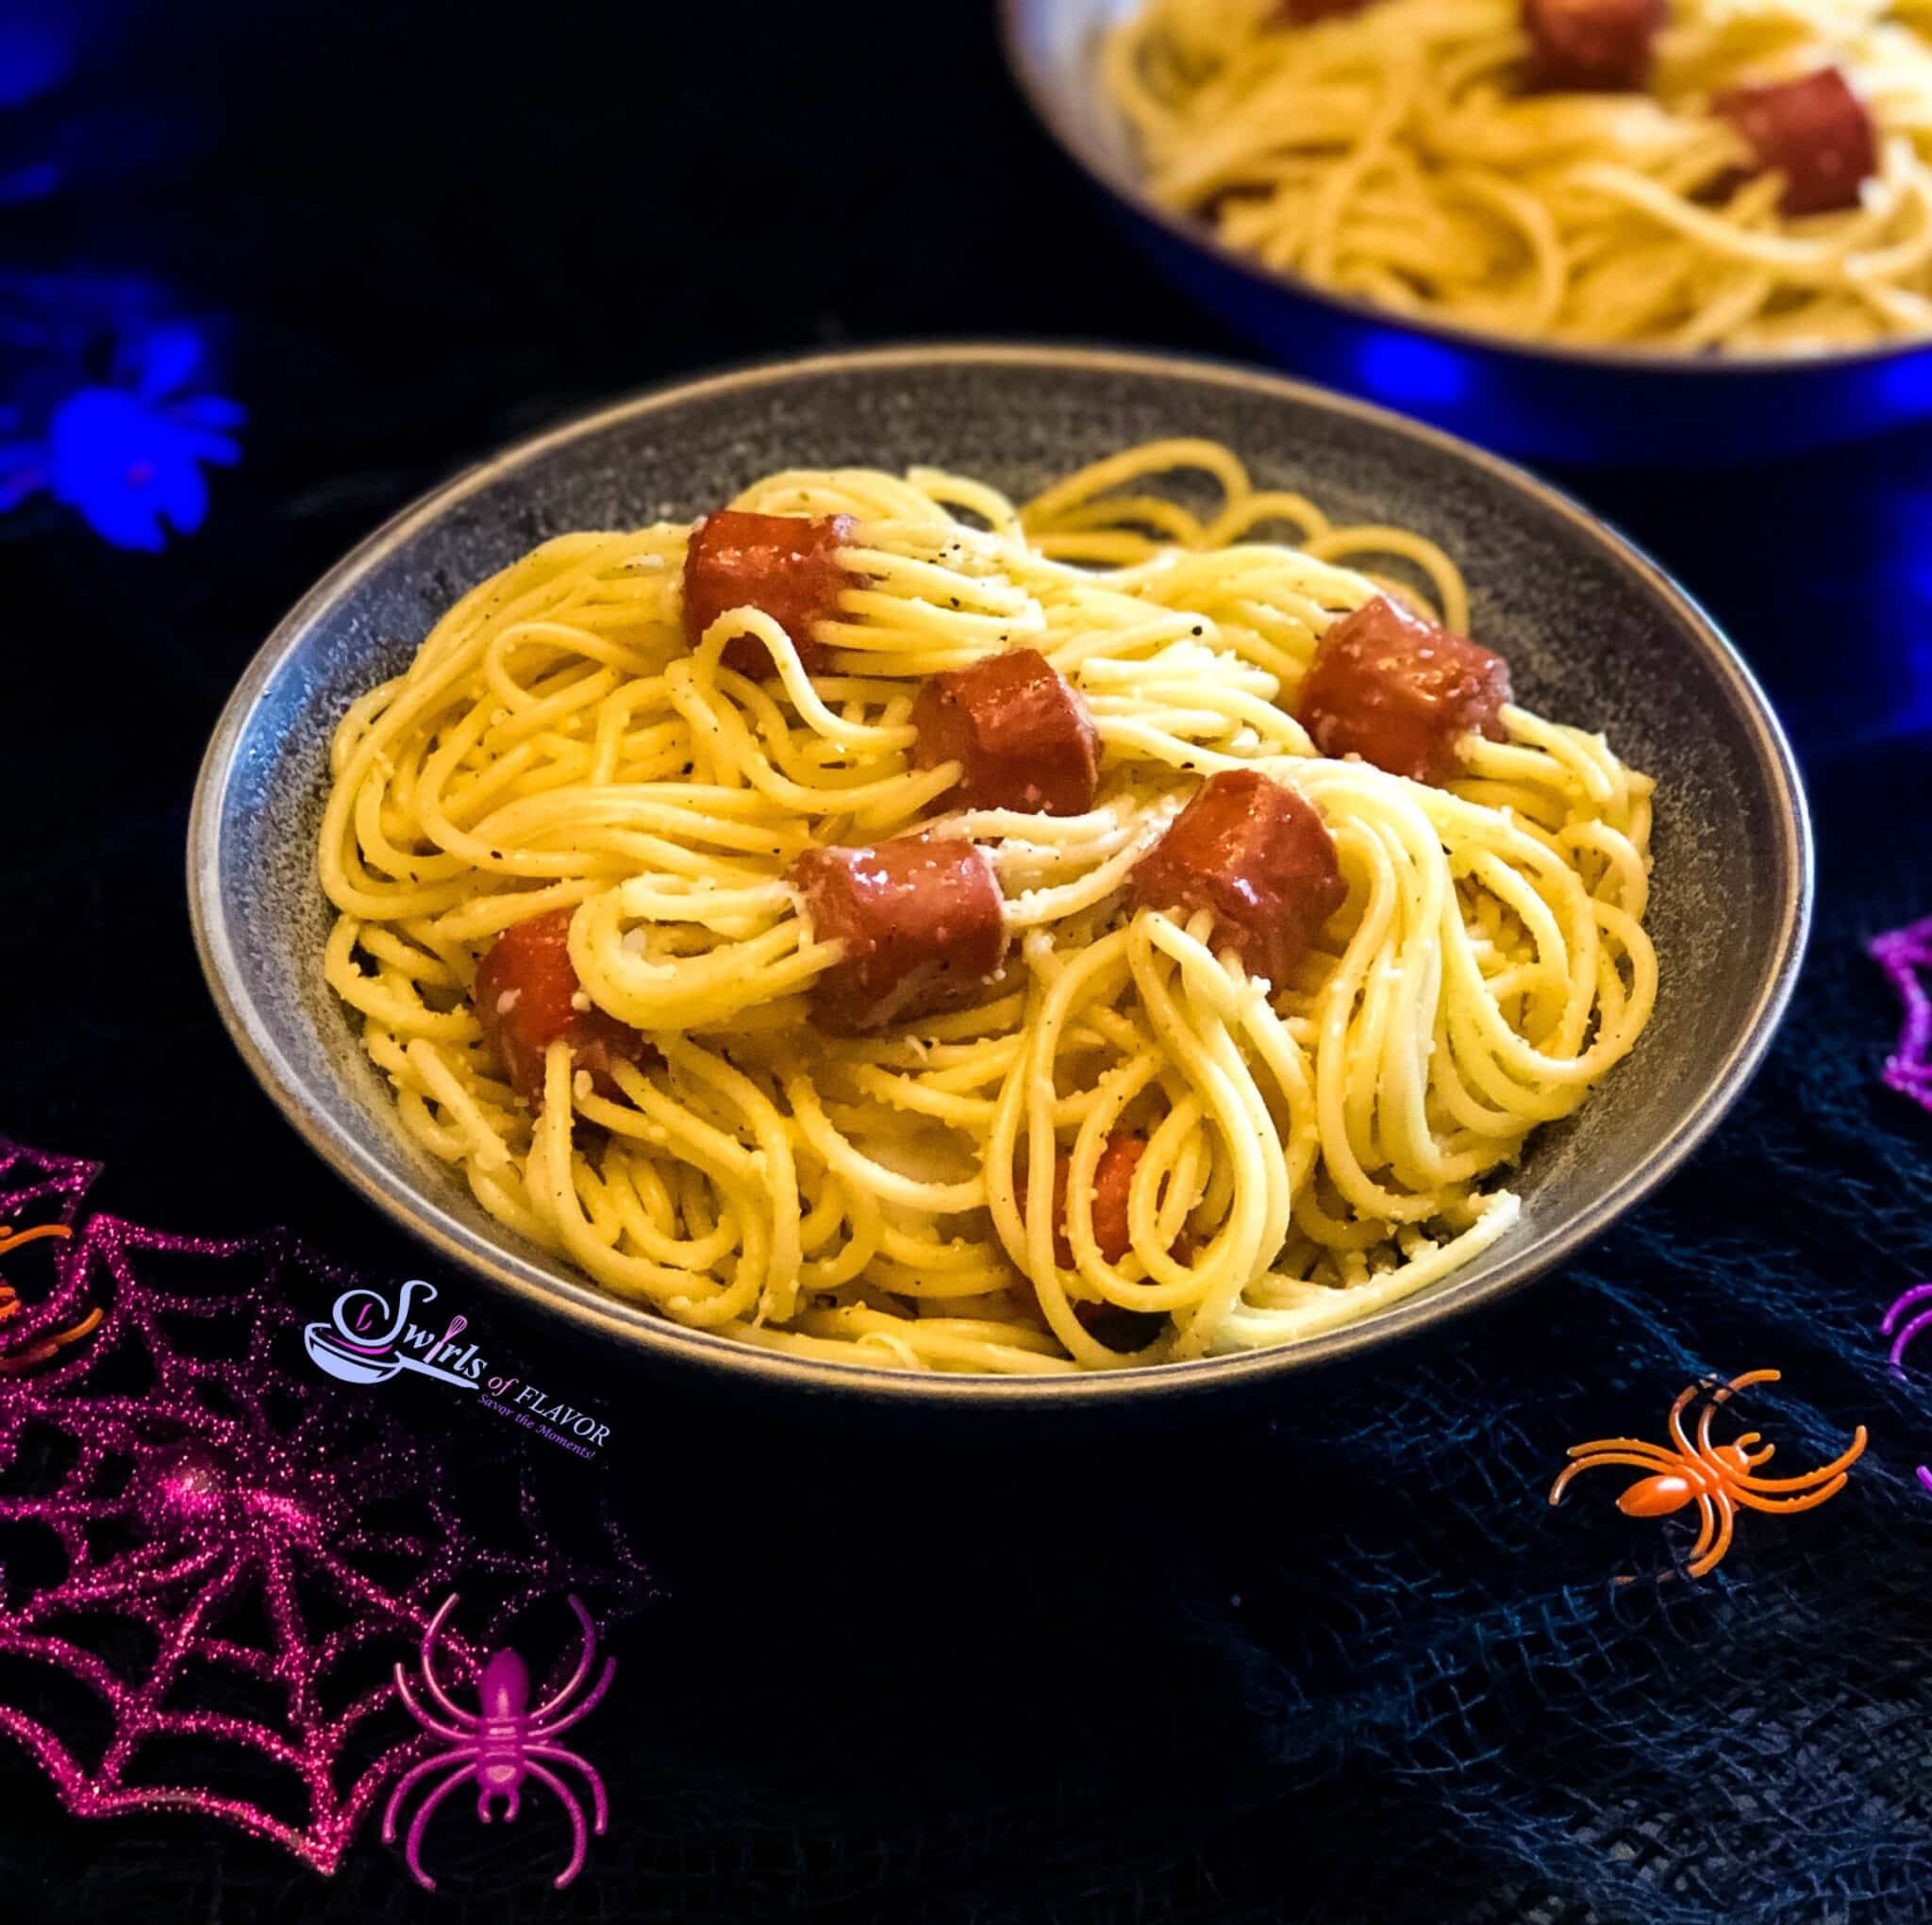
[(1330, 1660)]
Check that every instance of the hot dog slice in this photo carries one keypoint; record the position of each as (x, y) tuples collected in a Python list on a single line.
[(786, 566), (1113, 1179), (1401, 691), (1815, 131), (1592, 46), (1259, 855), (921, 921), (1021, 734), (525, 997)]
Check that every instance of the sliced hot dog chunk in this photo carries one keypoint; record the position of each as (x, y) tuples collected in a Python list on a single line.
[(1401, 691), (920, 919), (1021, 734), (1815, 131), (1591, 47), (1113, 1179), (525, 996), (786, 566), (1257, 854)]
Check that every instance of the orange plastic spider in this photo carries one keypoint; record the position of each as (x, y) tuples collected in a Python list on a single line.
[(41, 1348), (1718, 1478)]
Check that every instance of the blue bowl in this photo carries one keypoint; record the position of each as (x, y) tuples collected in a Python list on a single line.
[(1560, 403)]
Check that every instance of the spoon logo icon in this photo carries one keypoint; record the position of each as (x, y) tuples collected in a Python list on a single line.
[(363, 1341)]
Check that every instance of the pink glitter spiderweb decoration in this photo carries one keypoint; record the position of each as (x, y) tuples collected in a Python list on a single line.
[(226, 1550), (1902, 953)]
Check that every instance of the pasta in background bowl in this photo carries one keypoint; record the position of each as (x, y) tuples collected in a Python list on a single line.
[(1732, 177), (794, 1161), (1697, 229)]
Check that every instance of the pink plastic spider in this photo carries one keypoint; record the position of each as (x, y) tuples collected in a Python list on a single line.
[(1919, 1293), (1718, 1478), (1902, 953), (503, 1744)]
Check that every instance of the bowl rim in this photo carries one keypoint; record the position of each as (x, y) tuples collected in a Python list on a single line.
[(595, 1311), (1048, 108)]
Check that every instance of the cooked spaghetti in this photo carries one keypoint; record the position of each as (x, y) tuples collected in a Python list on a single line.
[(974, 964), (1744, 176)]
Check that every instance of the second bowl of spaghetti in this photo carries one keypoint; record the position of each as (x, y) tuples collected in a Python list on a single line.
[(1595, 229), (1016, 915)]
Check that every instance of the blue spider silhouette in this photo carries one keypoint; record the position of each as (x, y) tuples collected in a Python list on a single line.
[(128, 458)]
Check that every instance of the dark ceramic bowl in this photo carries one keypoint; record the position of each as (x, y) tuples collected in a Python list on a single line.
[(1594, 633), (1568, 404)]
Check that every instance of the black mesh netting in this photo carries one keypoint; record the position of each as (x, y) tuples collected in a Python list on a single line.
[(1333, 1659)]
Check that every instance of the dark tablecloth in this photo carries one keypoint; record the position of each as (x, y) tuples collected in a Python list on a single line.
[(1334, 1659)]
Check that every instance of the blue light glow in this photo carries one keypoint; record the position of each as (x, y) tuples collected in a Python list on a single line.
[(1912, 707), (1410, 372), (36, 49), (34, 181), (1904, 386)]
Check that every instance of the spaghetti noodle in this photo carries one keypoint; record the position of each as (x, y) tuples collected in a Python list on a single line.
[(928, 1194), (1412, 154)]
